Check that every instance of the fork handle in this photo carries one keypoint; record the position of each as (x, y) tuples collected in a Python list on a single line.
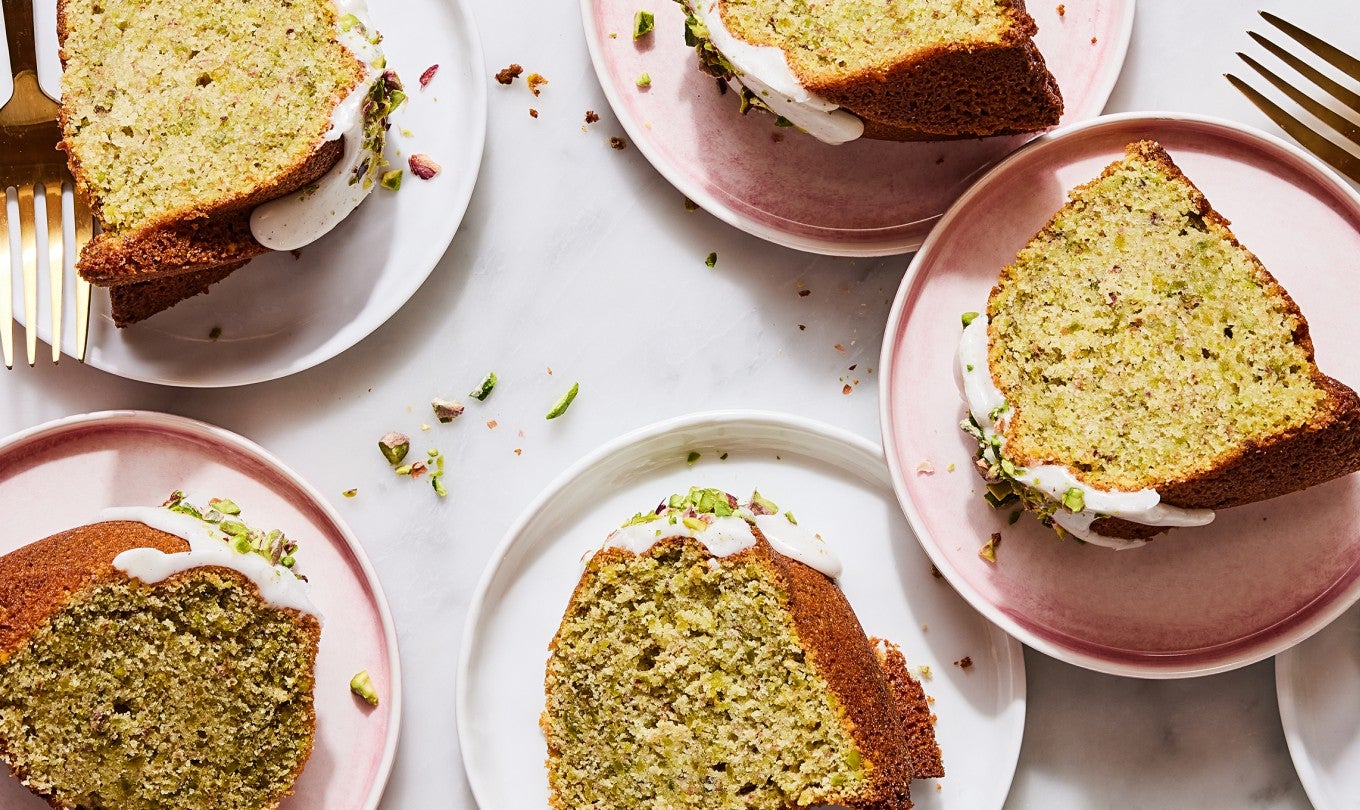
[(19, 35)]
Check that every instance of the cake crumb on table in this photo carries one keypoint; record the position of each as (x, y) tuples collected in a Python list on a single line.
[(533, 113), (592, 116), (1062, 10), (508, 75), (618, 143), (535, 81), (428, 76), (964, 662)]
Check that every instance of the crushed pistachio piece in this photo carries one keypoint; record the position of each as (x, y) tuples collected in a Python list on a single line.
[(1074, 499), (224, 506), (968, 318), (988, 551), (482, 391), (924, 672), (350, 493), (644, 80), (437, 481), (404, 469), (362, 685), (790, 517), (763, 506), (711, 261), (692, 457), (446, 410), (215, 333), (391, 180), (564, 402), (694, 524), (394, 446), (643, 23)]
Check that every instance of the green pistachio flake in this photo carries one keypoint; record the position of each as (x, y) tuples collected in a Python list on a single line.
[(350, 493), (711, 261), (690, 205), (643, 23), (1074, 499), (790, 517), (242, 544), (968, 318), (391, 180), (215, 333), (380, 62), (764, 505), (224, 506), (1014, 518), (692, 457), (781, 121), (642, 517), (437, 481), (234, 528), (288, 562), (446, 410), (695, 524), (394, 446), (564, 402), (481, 392), (348, 21), (362, 685), (970, 366), (645, 80)]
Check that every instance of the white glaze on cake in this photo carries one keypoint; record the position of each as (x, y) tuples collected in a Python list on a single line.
[(303, 217), (765, 71), (728, 535), (278, 585), (1144, 506)]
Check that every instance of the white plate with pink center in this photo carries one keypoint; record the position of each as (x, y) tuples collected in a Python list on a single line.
[(866, 198), (837, 484), (62, 474), (1260, 578)]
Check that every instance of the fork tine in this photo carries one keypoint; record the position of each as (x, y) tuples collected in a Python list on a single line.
[(6, 284), (56, 263), (1323, 113), (84, 229), (1323, 147), (1332, 55), (28, 246), (1312, 74)]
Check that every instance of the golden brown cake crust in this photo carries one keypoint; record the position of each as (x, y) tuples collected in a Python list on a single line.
[(1327, 447), (38, 579), (955, 90), (926, 762), (192, 240), (833, 638)]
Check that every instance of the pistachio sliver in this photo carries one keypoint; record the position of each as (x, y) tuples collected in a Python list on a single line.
[(394, 446), (362, 685), (564, 402), (482, 391)]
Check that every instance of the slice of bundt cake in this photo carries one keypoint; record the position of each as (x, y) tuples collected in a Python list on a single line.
[(182, 117), (157, 660), (707, 659), (1137, 367), (887, 69)]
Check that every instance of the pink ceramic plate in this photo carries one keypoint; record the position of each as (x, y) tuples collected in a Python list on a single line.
[(869, 198), (61, 474), (1262, 577)]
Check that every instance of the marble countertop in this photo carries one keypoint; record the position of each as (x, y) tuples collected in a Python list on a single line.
[(564, 240)]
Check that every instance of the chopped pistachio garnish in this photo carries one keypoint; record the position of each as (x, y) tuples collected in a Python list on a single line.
[(481, 392), (694, 524), (692, 457), (643, 23), (690, 205), (391, 180), (711, 261), (446, 410), (362, 685), (404, 469), (968, 318), (224, 506), (924, 672), (763, 506), (723, 457), (644, 80), (970, 366), (380, 62), (988, 551), (437, 481), (350, 493), (790, 517), (215, 333), (564, 402), (1074, 499), (272, 545), (394, 446)]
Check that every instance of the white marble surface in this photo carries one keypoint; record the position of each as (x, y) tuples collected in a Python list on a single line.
[(580, 258)]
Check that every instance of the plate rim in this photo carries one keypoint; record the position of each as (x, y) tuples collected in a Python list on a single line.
[(1287, 665), (1154, 668), (809, 244), (135, 417), (702, 420), (458, 203)]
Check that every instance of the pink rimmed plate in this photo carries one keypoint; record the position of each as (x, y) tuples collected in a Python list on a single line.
[(1257, 581), (834, 481), (868, 198), (61, 474)]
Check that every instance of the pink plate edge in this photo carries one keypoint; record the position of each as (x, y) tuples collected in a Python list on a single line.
[(185, 425), (711, 204), (1239, 655), (472, 635)]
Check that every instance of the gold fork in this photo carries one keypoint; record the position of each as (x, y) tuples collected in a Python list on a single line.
[(29, 158), (1317, 143)]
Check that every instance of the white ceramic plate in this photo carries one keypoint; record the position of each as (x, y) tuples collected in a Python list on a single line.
[(835, 482), (280, 315), (1318, 686), (61, 474)]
